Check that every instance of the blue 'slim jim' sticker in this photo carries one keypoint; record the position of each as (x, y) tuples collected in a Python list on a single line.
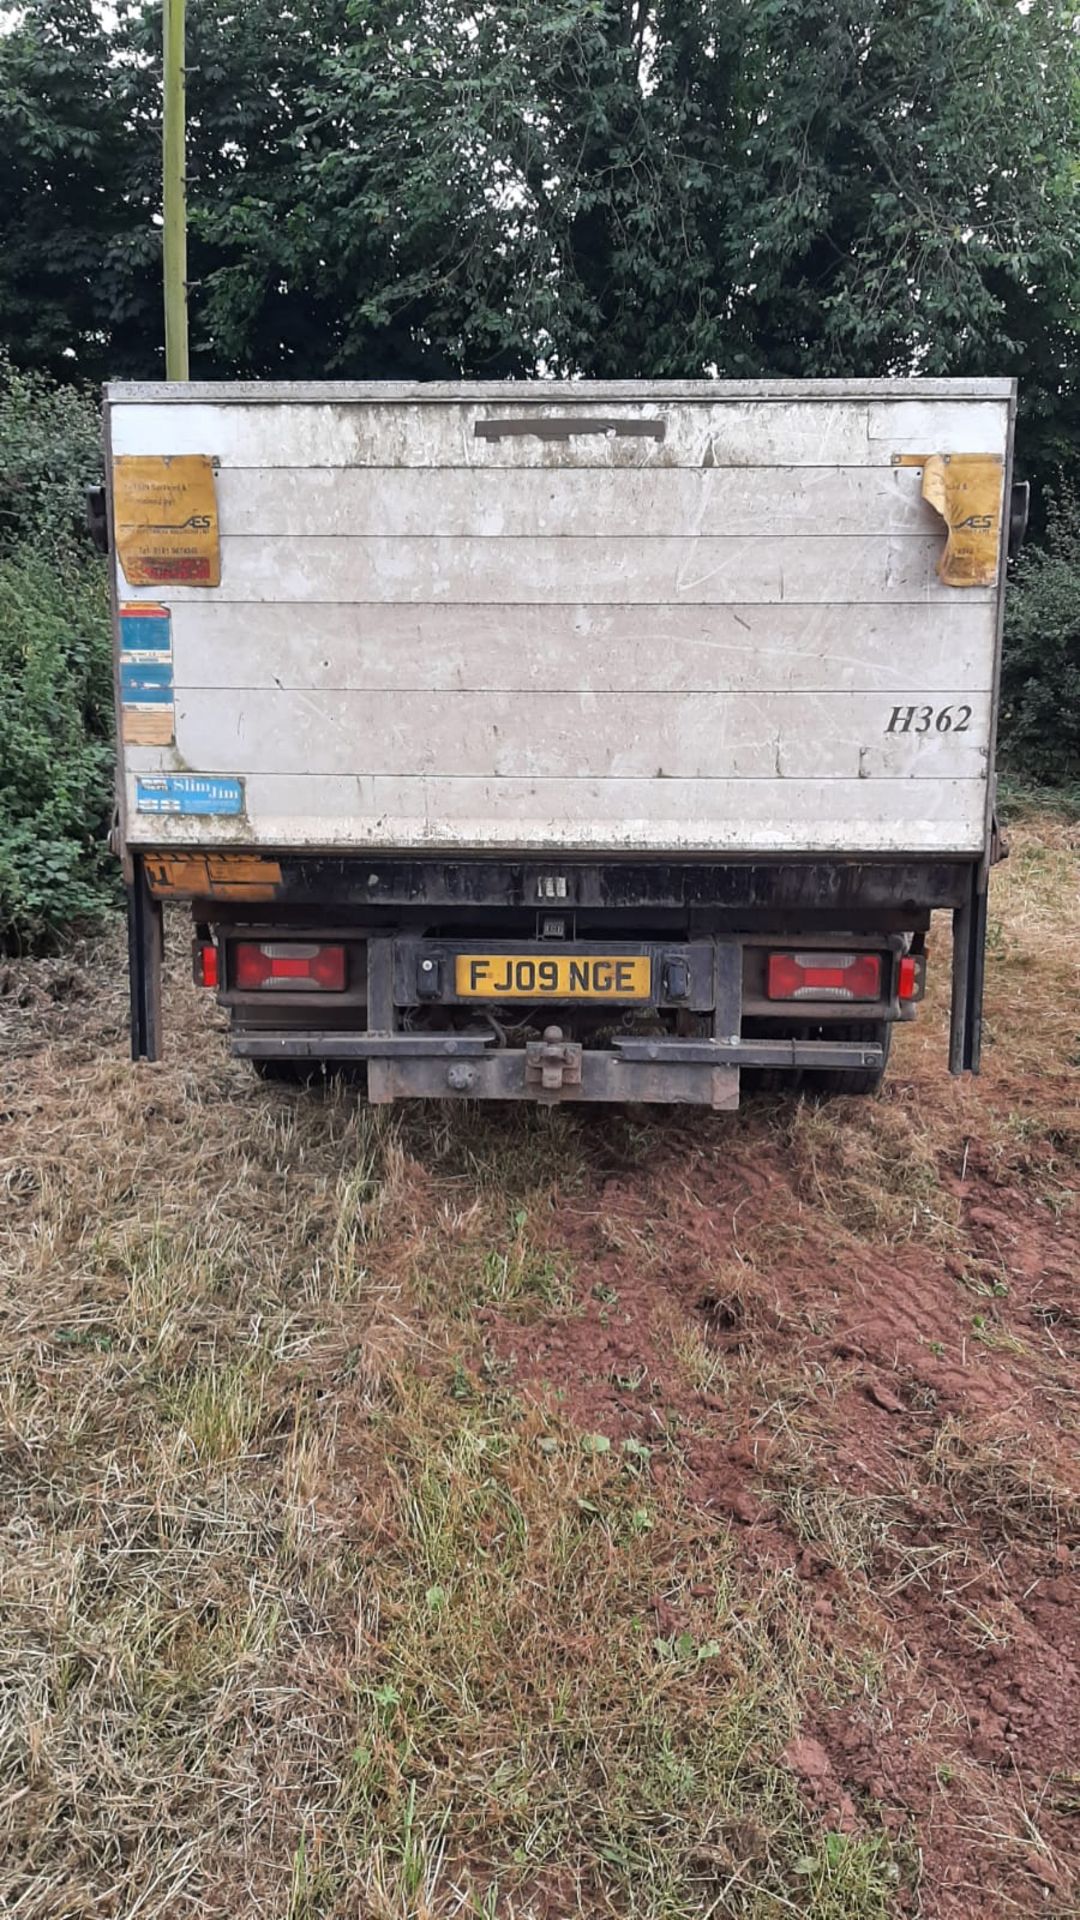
[(188, 793)]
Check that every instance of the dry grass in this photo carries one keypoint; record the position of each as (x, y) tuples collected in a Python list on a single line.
[(307, 1610), (305, 1613)]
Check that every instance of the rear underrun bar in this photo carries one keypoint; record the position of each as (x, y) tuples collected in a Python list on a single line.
[(271, 1045)]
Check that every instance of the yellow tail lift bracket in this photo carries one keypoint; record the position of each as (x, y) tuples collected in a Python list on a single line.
[(966, 489)]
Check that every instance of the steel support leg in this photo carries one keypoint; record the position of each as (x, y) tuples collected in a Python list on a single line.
[(145, 947), (380, 1016), (969, 969)]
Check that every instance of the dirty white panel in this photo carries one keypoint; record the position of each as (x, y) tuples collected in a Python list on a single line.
[(813, 568), (714, 624), (779, 736), (306, 393), (589, 649), (407, 502), (617, 816), (936, 426), (747, 433)]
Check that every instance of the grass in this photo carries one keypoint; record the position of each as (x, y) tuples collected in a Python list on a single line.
[(314, 1604)]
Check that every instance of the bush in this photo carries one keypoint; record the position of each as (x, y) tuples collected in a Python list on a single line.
[(1040, 685), (50, 452), (56, 785), (55, 669)]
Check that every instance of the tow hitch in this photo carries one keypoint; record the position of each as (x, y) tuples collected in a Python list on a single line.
[(552, 1063)]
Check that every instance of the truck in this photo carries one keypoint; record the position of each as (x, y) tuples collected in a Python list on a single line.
[(560, 741)]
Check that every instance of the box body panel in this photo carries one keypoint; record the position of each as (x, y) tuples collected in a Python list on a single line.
[(641, 619)]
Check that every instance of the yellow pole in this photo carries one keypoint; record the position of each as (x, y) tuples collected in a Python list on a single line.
[(174, 192)]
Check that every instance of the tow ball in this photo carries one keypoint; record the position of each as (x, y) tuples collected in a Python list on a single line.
[(552, 1063)]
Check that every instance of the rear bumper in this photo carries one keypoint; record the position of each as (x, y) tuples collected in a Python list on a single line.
[(470, 1067), (442, 1049)]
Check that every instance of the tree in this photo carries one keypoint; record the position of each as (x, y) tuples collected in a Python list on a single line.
[(266, 297), (621, 187), (808, 187), (78, 248), (56, 761), (1040, 685)]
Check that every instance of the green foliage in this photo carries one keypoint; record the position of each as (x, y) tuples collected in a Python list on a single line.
[(1018, 799), (781, 186), (55, 672), (615, 187), (1040, 694), (55, 750), (79, 286), (50, 452)]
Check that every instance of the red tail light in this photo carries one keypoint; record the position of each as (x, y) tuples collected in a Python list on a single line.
[(290, 966), (908, 981), (204, 964), (824, 976)]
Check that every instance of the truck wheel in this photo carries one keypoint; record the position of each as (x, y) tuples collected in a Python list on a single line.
[(288, 1073), (828, 1081), (313, 1073)]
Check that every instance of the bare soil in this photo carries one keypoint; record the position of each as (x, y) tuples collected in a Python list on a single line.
[(869, 1428)]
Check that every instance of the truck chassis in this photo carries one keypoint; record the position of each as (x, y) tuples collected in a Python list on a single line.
[(704, 929)]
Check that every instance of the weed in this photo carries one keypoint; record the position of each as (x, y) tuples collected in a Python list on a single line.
[(996, 1473), (876, 1174), (847, 1529), (849, 1875)]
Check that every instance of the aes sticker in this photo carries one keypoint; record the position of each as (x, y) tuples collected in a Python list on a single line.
[(165, 510)]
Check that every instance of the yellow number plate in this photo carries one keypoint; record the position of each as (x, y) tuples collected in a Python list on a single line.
[(566, 976)]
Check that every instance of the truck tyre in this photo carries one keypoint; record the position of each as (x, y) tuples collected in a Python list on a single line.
[(829, 1081), (288, 1073), (820, 1082), (313, 1073)]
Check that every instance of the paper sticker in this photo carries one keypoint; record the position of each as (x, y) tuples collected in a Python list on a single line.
[(165, 512), (145, 628), (146, 675), (966, 490), (188, 793)]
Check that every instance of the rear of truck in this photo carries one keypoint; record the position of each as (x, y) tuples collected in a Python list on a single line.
[(576, 742)]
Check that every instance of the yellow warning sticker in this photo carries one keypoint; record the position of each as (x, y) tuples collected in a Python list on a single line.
[(214, 876), (966, 490), (165, 511)]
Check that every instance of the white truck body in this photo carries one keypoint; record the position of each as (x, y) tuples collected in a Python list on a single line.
[(561, 741), (638, 618)]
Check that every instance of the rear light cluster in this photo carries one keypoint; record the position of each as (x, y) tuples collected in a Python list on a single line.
[(840, 976), (205, 964), (315, 967), (289, 966), (824, 976)]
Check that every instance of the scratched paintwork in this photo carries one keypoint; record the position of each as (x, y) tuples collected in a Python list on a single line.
[(700, 640)]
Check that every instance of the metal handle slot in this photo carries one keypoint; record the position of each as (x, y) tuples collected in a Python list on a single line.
[(547, 428)]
